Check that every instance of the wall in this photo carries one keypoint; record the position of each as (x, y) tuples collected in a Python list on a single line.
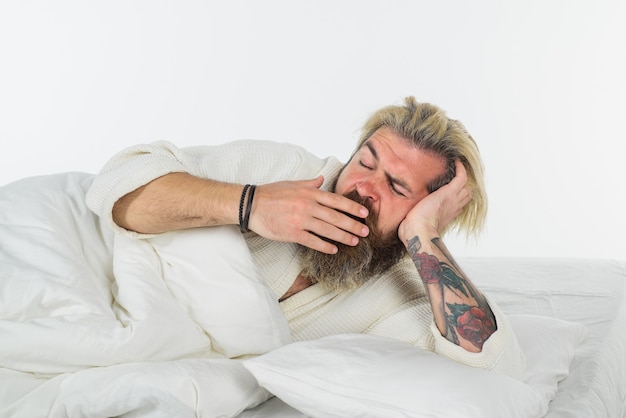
[(539, 84)]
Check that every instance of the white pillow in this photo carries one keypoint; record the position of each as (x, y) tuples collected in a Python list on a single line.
[(372, 376), (549, 345), (183, 388)]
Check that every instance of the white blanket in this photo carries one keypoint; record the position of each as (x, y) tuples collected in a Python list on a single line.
[(162, 334)]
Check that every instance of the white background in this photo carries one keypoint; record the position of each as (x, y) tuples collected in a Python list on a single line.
[(540, 84)]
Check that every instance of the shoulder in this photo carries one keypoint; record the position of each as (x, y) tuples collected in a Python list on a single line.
[(260, 161), (251, 148)]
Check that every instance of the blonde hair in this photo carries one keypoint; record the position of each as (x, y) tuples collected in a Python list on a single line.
[(429, 129)]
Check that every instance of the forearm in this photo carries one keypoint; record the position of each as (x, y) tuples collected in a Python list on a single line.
[(460, 311), (178, 201)]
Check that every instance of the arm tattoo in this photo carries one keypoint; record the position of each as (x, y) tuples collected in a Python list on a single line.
[(414, 245), (472, 321), (427, 265)]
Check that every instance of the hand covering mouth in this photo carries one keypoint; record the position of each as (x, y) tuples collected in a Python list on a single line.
[(356, 218)]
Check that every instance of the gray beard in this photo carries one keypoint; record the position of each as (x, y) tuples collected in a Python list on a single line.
[(353, 266)]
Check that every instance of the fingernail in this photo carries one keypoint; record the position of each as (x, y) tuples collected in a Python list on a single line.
[(364, 212), (365, 231), (355, 241)]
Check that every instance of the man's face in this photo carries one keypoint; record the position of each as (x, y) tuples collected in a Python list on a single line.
[(392, 175), (388, 176)]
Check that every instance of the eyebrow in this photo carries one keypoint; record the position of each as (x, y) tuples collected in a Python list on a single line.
[(390, 178)]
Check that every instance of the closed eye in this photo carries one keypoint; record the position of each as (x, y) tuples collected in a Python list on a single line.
[(362, 164), (393, 188)]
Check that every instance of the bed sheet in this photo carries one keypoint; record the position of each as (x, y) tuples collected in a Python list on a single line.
[(586, 291)]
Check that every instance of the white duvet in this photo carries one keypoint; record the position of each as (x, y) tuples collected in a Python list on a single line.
[(149, 337)]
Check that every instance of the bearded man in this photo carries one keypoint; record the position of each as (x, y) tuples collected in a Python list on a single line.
[(345, 248)]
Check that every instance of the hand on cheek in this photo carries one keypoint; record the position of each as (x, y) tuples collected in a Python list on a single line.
[(435, 212)]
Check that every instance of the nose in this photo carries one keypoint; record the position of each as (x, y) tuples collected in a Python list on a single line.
[(368, 189)]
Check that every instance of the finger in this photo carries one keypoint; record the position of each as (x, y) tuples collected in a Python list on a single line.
[(329, 231), (339, 227), (456, 185), (317, 244), (468, 197), (461, 172), (316, 182), (343, 204)]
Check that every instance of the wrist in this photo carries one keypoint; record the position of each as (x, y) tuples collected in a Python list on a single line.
[(218, 203), (245, 207), (425, 232)]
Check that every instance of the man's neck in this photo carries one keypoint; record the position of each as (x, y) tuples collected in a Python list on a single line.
[(298, 285)]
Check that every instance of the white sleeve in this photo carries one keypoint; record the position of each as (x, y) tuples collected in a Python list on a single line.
[(129, 170), (500, 353), (241, 162)]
